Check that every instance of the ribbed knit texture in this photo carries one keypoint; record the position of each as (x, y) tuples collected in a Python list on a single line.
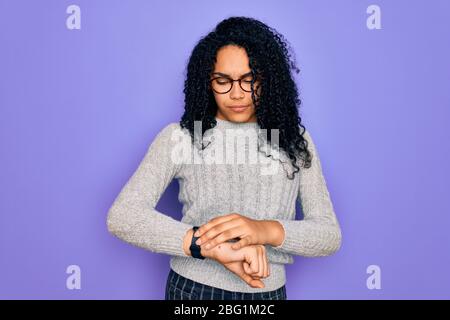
[(210, 189)]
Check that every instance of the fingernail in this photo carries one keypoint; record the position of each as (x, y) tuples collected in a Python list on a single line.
[(198, 242), (196, 233)]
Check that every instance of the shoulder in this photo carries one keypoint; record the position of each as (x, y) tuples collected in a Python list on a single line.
[(170, 135), (307, 136), (170, 130), (310, 145)]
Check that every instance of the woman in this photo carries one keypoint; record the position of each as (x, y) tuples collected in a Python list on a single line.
[(243, 213)]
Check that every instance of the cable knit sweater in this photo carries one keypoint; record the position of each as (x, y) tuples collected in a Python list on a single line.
[(214, 188)]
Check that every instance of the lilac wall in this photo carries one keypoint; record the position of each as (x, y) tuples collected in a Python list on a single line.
[(78, 109)]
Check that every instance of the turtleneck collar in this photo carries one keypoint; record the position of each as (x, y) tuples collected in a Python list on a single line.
[(226, 124)]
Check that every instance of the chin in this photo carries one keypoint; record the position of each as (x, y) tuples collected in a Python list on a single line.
[(240, 117)]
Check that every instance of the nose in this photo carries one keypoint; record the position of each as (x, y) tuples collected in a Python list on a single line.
[(236, 91)]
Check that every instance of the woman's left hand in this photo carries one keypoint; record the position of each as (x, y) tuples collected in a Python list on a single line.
[(234, 225)]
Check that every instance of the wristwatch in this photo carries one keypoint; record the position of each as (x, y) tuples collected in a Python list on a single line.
[(195, 248)]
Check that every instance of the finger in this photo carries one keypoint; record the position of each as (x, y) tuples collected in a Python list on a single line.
[(218, 229), (257, 264), (247, 268), (242, 243), (224, 235), (213, 222), (261, 263), (254, 264), (252, 282), (252, 260), (266, 266), (256, 283)]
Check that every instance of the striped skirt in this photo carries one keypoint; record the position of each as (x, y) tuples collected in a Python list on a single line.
[(181, 288)]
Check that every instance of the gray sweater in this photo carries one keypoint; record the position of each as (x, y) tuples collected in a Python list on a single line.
[(214, 188)]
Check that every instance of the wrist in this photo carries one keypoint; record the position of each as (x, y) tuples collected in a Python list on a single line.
[(274, 233), (187, 242), (208, 253)]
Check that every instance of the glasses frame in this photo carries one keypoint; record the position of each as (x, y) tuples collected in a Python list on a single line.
[(233, 80)]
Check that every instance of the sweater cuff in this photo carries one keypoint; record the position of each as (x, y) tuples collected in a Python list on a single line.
[(173, 241), (282, 246)]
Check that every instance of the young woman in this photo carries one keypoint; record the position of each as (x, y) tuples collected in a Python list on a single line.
[(238, 83)]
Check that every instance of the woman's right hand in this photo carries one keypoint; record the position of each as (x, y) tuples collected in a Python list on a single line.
[(250, 263)]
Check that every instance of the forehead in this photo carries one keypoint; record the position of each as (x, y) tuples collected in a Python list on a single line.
[(232, 60)]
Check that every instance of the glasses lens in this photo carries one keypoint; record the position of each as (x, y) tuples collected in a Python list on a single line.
[(221, 85), (246, 83)]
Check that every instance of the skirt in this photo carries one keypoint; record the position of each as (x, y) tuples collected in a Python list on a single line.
[(181, 288)]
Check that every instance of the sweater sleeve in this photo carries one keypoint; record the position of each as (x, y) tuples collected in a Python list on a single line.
[(133, 217), (277, 256), (319, 233)]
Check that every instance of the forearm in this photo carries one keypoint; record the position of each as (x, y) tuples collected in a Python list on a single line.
[(144, 227), (310, 238), (133, 216)]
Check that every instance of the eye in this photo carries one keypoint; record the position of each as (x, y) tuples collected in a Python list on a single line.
[(247, 79), (222, 80)]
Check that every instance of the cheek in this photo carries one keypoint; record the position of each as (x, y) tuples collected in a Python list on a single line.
[(221, 100)]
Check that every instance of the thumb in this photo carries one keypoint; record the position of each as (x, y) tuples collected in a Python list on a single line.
[(257, 283), (252, 282)]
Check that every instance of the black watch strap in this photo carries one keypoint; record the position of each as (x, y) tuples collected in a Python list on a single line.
[(195, 248)]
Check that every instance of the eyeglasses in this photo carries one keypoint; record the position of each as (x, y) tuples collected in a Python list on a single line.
[(223, 83)]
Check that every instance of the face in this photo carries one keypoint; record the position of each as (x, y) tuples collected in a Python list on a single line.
[(235, 105)]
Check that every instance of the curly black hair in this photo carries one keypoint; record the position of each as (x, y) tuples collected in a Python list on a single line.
[(270, 60)]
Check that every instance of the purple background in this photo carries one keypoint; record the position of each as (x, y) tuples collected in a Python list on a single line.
[(78, 109)]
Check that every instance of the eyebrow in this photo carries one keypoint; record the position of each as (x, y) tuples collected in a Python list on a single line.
[(228, 76)]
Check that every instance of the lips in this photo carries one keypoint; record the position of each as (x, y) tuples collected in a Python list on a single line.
[(238, 108)]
